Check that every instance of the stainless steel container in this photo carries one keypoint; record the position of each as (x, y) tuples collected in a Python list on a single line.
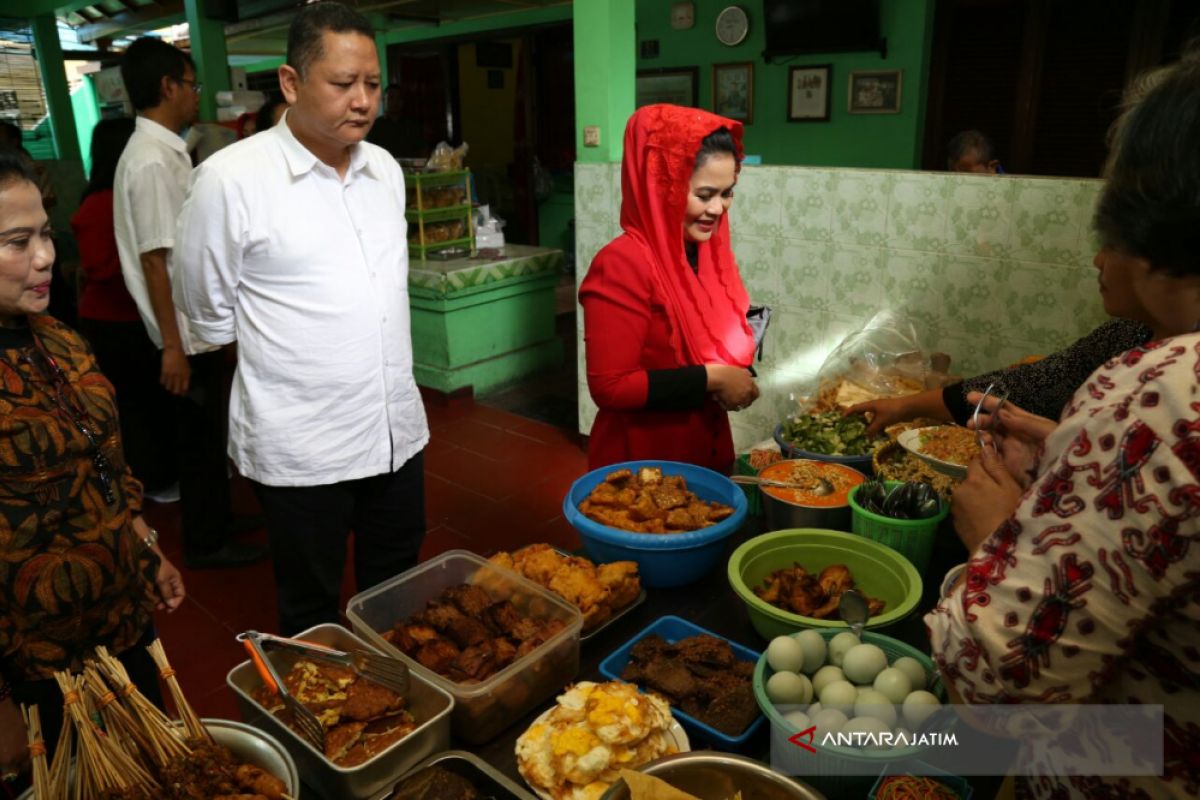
[(784, 515), (709, 775), (251, 746), (488, 780), (429, 704)]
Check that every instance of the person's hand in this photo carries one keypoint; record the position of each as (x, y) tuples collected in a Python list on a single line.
[(733, 387), (883, 413), (984, 500), (14, 749), (176, 372), (169, 584), (1019, 437)]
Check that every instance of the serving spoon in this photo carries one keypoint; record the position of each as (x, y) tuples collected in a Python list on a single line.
[(853, 609), (822, 488)]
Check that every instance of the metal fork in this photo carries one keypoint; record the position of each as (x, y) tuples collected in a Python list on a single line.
[(1002, 397), (390, 673), (310, 727)]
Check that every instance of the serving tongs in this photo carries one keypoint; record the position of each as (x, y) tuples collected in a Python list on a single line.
[(390, 673), (310, 727), (1001, 395)]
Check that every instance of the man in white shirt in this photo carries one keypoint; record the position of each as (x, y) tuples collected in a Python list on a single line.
[(148, 192), (293, 242)]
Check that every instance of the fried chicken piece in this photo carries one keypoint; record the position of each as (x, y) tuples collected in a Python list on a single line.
[(680, 519), (644, 508), (622, 581), (875, 606), (504, 559), (836, 579), (506, 652), (441, 615), (477, 661), (410, 638), (437, 655), (471, 600), (718, 512), (258, 781), (468, 631), (366, 700)]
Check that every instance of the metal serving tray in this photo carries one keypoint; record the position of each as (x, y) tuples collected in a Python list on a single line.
[(428, 703), (488, 780)]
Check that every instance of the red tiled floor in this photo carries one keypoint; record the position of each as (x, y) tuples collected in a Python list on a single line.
[(492, 480)]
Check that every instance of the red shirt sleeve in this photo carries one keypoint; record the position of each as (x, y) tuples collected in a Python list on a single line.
[(616, 297), (96, 237)]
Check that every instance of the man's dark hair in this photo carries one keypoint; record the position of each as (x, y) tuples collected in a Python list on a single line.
[(719, 141), (10, 133), (15, 166), (969, 142), (1150, 205), (266, 114), (109, 138), (309, 26), (145, 64)]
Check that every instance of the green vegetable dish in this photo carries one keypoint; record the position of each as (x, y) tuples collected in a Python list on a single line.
[(829, 433)]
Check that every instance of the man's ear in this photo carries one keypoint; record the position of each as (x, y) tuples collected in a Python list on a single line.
[(165, 87), (993, 166), (289, 79)]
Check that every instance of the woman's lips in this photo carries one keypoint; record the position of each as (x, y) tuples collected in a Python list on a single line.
[(41, 288)]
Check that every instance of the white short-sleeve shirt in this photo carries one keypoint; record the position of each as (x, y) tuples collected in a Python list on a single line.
[(309, 273), (148, 190)]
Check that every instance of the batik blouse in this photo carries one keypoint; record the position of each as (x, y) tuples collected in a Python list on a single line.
[(1090, 592), (73, 574)]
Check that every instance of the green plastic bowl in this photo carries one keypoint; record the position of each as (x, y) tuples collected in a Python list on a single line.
[(911, 538), (833, 769), (878, 571)]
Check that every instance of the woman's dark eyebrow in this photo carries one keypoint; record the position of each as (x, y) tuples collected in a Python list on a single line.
[(11, 231)]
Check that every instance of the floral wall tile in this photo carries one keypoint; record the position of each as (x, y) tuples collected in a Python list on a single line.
[(593, 196), (979, 216), (808, 203), (859, 207), (964, 295), (855, 279), (614, 177), (1048, 218), (803, 277), (795, 341), (756, 210), (911, 285), (758, 262), (1034, 298), (916, 214)]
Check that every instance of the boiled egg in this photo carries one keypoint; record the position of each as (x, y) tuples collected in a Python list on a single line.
[(920, 706), (913, 669), (785, 654), (894, 684), (840, 695), (863, 662), (814, 648), (838, 646), (788, 688), (825, 676), (871, 703), (829, 720)]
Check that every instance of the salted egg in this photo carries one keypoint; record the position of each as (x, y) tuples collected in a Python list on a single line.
[(798, 720), (913, 669), (825, 676), (814, 648), (785, 654), (838, 646), (863, 662), (840, 695), (788, 688), (894, 684), (829, 720), (920, 706), (871, 703)]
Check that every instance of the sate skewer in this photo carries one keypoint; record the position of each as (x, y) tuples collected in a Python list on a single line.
[(37, 751), (191, 721)]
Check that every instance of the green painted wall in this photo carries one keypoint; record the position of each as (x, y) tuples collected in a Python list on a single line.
[(87, 114), (847, 140), (605, 62)]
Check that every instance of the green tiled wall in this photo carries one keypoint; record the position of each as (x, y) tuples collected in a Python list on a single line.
[(990, 269)]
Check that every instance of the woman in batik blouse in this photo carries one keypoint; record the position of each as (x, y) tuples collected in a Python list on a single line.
[(79, 567), (1083, 584)]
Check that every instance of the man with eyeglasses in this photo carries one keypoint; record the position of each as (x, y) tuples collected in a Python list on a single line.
[(187, 420)]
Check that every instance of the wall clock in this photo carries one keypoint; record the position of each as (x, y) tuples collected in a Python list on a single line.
[(732, 26)]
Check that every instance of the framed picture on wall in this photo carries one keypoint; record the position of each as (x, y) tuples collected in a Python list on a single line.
[(677, 86), (733, 91), (874, 92), (808, 93)]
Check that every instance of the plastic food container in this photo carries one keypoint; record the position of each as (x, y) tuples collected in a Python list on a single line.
[(911, 538), (838, 772), (664, 559), (672, 629), (958, 785), (878, 571), (861, 463), (718, 776), (429, 704), (831, 512), (482, 710)]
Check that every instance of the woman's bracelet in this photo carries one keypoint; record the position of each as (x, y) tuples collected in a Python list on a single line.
[(151, 539)]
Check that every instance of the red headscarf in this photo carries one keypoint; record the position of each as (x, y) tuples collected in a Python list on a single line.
[(708, 316)]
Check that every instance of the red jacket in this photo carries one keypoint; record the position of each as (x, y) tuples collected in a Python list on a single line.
[(104, 294)]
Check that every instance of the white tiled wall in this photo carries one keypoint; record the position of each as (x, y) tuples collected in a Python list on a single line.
[(990, 269)]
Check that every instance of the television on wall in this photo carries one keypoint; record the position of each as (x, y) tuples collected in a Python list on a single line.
[(820, 26)]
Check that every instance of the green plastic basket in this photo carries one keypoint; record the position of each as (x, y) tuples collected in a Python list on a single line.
[(911, 538), (835, 771), (753, 496)]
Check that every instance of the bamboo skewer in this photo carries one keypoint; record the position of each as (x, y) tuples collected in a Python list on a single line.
[(165, 742), (191, 722), (37, 751)]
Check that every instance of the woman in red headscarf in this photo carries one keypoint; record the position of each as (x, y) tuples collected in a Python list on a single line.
[(668, 346)]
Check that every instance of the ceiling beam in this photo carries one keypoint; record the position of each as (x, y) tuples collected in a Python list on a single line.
[(168, 13)]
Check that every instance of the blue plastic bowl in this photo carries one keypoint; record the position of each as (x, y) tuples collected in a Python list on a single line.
[(663, 560), (860, 463), (672, 629)]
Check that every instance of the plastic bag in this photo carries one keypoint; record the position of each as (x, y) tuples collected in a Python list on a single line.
[(885, 358), (446, 158)]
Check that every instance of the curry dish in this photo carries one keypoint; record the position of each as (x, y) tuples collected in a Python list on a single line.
[(650, 502), (597, 591), (361, 719), (797, 590)]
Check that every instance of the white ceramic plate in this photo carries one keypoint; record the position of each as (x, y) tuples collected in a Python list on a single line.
[(675, 731), (911, 441)]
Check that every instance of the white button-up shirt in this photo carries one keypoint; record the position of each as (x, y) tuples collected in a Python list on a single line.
[(148, 190), (309, 273)]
